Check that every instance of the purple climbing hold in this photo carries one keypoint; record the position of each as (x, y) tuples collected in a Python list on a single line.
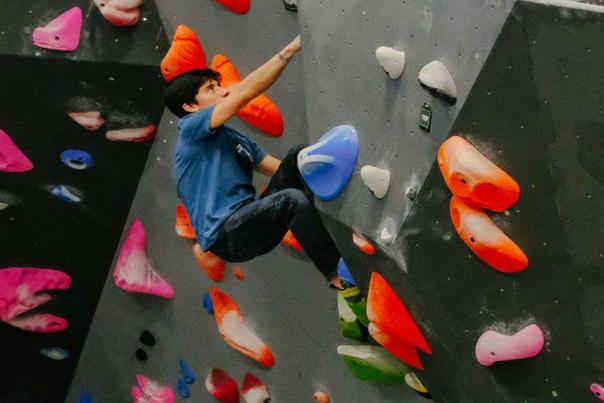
[(62, 33), (207, 303), (328, 165)]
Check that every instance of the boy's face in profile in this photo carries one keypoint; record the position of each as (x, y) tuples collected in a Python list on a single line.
[(209, 94)]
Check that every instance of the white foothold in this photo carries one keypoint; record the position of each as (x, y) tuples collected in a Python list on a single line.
[(391, 60), (376, 179), (435, 76)]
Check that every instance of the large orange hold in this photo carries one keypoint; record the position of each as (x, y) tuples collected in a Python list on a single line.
[(485, 239), (183, 223), (235, 331), (185, 54), (261, 112), (238, 6), (471, 176), (386, 310), (211, 264)]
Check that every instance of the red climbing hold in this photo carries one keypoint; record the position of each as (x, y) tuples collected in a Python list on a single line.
[(485, 239), (290, 240), (211, 264), (254, 390), (23, 289), (222, 386), (185, 54), (121, 13), (133, 271), (386, 310), (238, 6), (261, 112), (399, 348), (236, 332), (135, 135), (62, 33), (471, 176), (183, 223), (11, 158), (364, 245), (90, 120)]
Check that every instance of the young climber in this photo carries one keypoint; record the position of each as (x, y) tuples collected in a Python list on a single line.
[(214, 166)]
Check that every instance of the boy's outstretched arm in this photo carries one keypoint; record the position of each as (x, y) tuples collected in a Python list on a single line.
[(268, 166), (253, 85)]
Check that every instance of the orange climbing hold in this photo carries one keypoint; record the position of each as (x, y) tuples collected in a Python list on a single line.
[(364, 245), (209, 262), (387, 312), (399, 348), (185, 54), (471, 176), (238, 6), (290, 240), (261, 112), (238, 272), (321, 397), (183, 223), (485, 239), (235, 331)]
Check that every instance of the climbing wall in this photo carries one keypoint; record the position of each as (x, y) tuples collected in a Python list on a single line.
[(40, 226)]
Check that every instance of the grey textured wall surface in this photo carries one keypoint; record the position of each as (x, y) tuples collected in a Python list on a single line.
[(284, 297), (346, 85)]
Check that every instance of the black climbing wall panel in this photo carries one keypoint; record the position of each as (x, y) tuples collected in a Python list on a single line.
[(114, 72)]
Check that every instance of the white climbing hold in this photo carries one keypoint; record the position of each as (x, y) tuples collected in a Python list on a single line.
[(376, 179), (436, 77), (391, 60)]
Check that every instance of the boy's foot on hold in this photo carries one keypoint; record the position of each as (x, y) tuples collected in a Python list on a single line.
[(347, 287)]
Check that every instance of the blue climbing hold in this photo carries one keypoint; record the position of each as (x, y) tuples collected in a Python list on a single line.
[(77, 159), (84, 397), (65, 194), (207, 303), (345, 274), (328, 165), (55, 353), (187, 372), (183, 389)]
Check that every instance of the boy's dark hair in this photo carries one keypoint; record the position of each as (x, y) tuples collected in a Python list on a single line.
[(182, 89)]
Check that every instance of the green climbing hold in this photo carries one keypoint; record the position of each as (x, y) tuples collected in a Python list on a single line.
[(357, 303), (374, 364), (349, 324)]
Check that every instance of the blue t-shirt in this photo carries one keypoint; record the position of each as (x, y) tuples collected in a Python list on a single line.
[(214, 172)]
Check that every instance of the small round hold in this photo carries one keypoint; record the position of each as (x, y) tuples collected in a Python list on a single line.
[(77, 159), (55, 353), (141, 355), (147, 338), (321, 397), (411, 193)]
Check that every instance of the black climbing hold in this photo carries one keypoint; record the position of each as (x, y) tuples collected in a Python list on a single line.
[(425, 117), (147, 338), (141, 355), (291, 5)]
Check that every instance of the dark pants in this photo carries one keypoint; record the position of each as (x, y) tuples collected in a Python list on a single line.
[(287, 203)]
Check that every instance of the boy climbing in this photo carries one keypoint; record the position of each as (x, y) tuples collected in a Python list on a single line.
[(214, 167)]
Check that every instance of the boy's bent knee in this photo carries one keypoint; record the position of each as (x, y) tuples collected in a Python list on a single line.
[(296, 197)]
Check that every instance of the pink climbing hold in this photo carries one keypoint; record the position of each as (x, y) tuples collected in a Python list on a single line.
[(11, 158), (62, 33), (136, 135), (121, 13), (493, 347), (90, 120), (222, 386), (597, 390), (133, 271), (148, 391), (254, 390), (23, 289)]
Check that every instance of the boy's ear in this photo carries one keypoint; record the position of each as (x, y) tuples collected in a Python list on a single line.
[(190, 107)]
